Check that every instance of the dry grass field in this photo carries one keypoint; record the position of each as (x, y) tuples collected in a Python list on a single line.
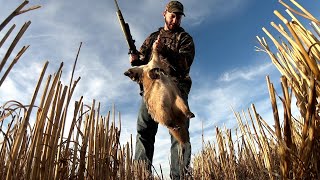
[(288, 149)]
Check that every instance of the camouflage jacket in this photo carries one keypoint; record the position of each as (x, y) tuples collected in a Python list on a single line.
[(178, 50)]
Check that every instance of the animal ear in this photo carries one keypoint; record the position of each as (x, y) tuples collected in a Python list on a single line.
[(154, 73)]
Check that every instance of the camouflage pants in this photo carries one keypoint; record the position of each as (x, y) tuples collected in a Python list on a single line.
[(146, 131)]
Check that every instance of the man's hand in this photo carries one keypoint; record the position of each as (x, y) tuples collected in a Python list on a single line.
[(133, 57)]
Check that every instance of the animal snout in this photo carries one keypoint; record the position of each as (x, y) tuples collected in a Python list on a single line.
[(133, 74), (127, 73)]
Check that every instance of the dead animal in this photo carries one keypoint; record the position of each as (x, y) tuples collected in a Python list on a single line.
[(162, 96)]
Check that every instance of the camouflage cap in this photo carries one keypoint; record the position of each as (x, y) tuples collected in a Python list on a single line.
[(175, 7)]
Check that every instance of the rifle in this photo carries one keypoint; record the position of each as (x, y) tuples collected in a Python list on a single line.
[(126, 31)]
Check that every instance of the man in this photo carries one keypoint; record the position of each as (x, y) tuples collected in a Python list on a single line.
[(177, 47)]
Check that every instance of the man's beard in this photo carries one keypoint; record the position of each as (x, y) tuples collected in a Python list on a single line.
[(171, 26)]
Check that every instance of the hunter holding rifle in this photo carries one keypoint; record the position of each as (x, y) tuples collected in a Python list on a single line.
[(177, 47)]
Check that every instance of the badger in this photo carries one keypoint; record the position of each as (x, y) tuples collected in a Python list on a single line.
[(162, 96)]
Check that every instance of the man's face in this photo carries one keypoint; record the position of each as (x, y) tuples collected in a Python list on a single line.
[(172, 20)]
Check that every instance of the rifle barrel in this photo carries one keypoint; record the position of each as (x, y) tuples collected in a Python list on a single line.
[(115, 1), (126, 30)]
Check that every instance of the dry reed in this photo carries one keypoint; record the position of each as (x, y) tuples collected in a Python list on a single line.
[(290, 149), (92, 149)]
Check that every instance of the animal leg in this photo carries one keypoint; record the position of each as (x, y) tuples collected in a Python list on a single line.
[(180, 104)]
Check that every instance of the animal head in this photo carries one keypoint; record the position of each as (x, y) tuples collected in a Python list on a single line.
[(144, 73), (151, 71)]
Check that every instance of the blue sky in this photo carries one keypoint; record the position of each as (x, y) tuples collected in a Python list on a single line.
[(226, 72)]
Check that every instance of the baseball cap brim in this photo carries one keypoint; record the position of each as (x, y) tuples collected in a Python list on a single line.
[(177, 11)]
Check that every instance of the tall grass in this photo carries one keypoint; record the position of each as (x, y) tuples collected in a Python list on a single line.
[(91, 149), (290, 148)]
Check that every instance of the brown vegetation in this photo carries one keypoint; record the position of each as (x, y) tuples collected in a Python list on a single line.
[(92, 150), (40, 151), (290, 149)]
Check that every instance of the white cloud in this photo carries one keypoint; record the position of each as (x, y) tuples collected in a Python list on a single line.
[(213, 99), (10, 92), (249, 73)]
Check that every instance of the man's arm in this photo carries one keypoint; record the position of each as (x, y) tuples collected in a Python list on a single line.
[(135, 60), (187, 49), (183, 57), (145, 51)]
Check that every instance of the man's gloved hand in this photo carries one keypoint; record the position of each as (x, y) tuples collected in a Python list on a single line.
[(133, 57)]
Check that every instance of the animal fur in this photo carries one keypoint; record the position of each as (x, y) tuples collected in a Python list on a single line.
[(162, 96)]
